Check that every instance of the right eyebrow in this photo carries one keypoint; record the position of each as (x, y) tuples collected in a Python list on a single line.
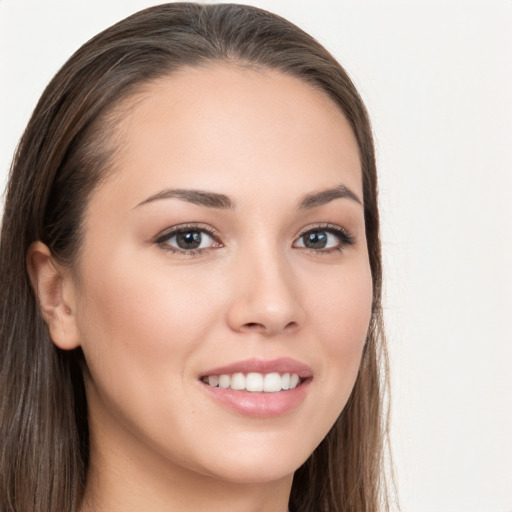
[(326, 196), (199, 197)]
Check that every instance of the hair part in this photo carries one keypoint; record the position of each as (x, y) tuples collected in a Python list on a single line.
[(61, 158)]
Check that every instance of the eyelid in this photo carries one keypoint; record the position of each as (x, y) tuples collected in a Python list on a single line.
[(171, 231), (346, 237)]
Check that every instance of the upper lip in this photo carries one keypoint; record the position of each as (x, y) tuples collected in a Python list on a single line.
[(280, 365)]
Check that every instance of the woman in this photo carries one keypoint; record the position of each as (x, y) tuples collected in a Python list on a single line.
[(191, 276)]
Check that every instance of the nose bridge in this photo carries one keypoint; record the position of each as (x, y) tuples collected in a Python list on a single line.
[(266, 296)]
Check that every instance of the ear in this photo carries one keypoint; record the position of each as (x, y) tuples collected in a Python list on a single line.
[(55, 294)]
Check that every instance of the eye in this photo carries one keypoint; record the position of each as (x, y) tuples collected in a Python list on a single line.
[(324, 238), (188, 239)]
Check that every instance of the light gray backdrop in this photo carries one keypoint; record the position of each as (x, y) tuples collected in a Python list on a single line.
[(437, 79)]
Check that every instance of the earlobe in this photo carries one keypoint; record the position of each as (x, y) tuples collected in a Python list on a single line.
[(51, 287)]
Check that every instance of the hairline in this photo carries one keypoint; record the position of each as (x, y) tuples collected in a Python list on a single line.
[(111, 118)]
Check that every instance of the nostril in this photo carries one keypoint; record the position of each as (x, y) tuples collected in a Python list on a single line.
[(260, 327), (291, 326), (253, 325)]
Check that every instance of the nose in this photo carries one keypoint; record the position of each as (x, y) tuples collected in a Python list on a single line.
[(266, 298)]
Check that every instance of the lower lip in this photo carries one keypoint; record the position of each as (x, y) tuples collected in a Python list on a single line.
[(259, 404)]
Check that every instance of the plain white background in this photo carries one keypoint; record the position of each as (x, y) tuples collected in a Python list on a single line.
[(436, 77)]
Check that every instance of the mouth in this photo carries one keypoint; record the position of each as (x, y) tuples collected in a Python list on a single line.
[(254, 381), (259, 388)]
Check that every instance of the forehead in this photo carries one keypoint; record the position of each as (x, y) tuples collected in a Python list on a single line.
[(224, 126)]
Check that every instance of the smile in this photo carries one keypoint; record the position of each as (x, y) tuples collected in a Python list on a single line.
[(256, 382), (259, 388)]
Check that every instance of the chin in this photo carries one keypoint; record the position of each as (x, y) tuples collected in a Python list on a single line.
[(259, 462), (249, 472)]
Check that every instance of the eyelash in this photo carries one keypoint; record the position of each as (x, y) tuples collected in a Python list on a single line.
[(345, 238), (184, 228)]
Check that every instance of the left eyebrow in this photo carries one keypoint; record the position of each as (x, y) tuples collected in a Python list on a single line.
[(326, 196), (199, 197)]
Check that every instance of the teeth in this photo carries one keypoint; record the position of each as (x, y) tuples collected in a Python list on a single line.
[(213, 380), (238, 381), (294, 380), (254, 382), (272, 382), (269, 382), (224, 381)]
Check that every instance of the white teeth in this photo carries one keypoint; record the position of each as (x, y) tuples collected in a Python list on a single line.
[(254, 382), (294, 380), (238, 381), (213, 380), (224, 381), (272, 382), (269, 382)]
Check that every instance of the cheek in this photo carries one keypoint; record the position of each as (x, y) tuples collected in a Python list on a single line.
[(140, 330), (141, 307), (344, 312), (344, 308), (141, 325)]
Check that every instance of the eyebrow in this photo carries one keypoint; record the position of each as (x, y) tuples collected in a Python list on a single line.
[(199, 197), (326, 196), (221, 201)]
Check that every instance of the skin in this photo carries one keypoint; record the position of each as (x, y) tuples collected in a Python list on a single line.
[(150, 320)]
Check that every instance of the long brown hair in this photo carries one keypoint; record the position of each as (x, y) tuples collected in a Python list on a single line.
[(63, 154)]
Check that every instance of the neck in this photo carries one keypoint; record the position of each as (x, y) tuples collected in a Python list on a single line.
[(135, 490), (122, 479)]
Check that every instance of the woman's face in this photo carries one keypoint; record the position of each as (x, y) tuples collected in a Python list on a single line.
[(226, 249)]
